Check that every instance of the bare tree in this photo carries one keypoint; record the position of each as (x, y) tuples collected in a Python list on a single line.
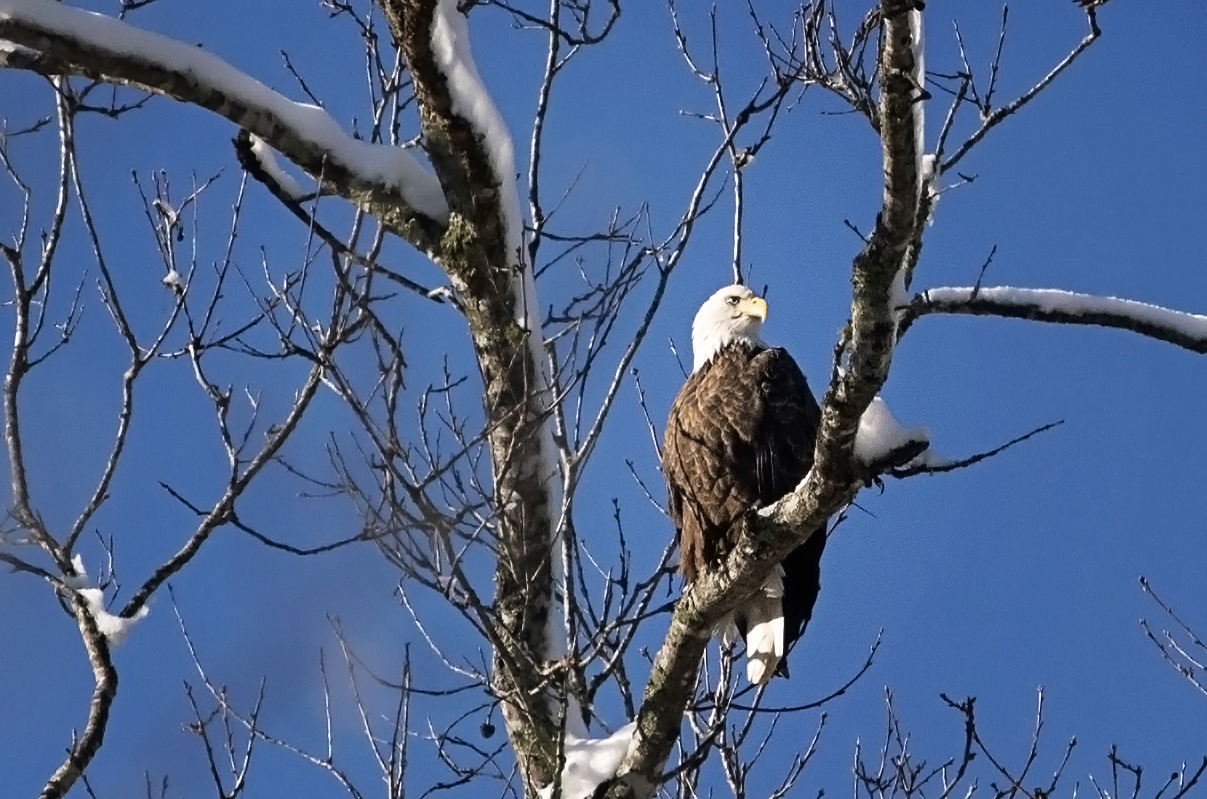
[(468, 485)]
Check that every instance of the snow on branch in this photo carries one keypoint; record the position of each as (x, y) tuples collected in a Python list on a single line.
[(471, 100), (115, 628), (918, 111), (268, 162), (925, 164), (1186, 330), (590, 762), (880, 436), (306, 134)]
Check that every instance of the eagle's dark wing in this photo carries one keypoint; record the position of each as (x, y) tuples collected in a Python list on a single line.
[(787, 425), (785, 454)]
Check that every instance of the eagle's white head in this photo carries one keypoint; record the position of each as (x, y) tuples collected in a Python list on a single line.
[(733, 314)]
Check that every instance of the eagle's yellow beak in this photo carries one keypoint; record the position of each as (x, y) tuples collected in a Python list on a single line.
[(754, 306)]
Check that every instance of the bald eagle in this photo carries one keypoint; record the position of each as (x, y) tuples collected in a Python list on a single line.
[(740, 436)]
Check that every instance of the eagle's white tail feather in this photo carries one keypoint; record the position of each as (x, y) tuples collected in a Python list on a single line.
[(765, 628), (764, 648)]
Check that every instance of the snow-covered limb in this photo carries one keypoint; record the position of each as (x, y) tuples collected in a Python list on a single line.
[(879, 282), (114, 628), (454, 58), (1186, 330), (306, 134), (80, 578), (444, 294), (928, 176), (929, 462), (268, 162), (591, 761)]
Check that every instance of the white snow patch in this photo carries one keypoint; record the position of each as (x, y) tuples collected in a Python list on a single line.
[(927, 173), (454, 57), (12, 48), (444, 293), (170, 215), (115, 628), (393, 167), (880, 433), (1075, 304), (80, 580), (927, 180), (926, 164), (591, 761), (268, 162), (898, 297)]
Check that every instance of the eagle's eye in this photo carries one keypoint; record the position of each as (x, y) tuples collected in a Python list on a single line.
[(732, 300)]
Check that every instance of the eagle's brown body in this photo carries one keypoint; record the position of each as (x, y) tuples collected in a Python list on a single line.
[(740, 436)]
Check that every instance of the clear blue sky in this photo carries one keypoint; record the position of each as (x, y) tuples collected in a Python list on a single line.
[(990, 582)]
